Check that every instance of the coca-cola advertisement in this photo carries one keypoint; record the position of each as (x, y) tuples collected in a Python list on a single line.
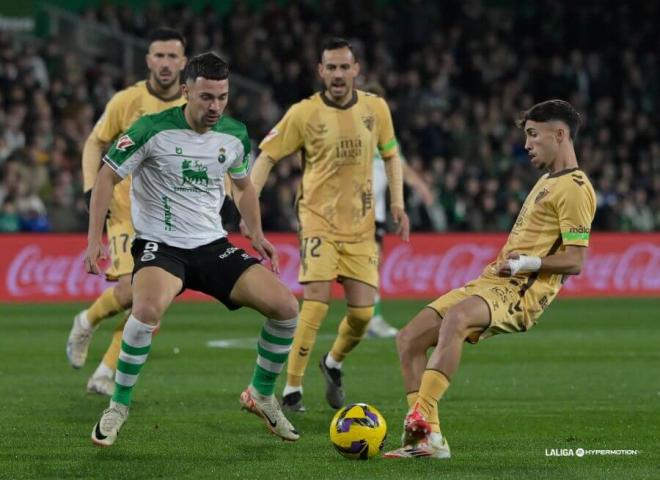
[(38, 268)]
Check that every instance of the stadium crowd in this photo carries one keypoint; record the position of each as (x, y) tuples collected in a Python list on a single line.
[(456, 74)]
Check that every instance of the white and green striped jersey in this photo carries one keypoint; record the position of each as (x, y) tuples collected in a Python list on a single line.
[(177, 188)]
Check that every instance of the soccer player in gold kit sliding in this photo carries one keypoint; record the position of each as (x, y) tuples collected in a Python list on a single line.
[(548, 241)]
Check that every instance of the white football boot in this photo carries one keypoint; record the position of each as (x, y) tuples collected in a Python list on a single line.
[(78, 342), (106, 430), (269, 410)]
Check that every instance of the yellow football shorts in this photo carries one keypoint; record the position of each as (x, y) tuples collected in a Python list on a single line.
[(509, 310), (120, 237), (325, 260)]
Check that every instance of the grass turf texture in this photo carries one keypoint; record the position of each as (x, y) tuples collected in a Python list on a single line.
[(587, 377)]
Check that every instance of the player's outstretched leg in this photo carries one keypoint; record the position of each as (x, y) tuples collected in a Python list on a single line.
[(378, 327), (154, 290), (351, 330), (102, 380), (259, 289)]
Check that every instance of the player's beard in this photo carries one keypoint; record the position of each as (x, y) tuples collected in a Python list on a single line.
[(165, 84), (345, 89)]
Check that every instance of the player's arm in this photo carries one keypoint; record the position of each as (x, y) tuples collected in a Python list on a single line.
[(567, 262), (575, 210), (247, 203), (104, 132), (99, 205), (389, 151), (260, 171), (413, 180), (91, 161)]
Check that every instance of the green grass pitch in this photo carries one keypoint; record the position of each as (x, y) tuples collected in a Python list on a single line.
[(588, 376)]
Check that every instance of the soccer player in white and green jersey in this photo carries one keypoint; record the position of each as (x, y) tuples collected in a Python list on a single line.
[(178, 159)]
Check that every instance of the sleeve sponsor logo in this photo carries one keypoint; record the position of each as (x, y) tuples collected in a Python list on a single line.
[(124, 142), (272, 134), (576, 233)]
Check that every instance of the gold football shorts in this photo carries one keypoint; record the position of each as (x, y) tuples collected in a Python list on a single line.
[(325, 260)]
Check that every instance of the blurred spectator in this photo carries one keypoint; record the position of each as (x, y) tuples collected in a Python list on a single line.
[(457, 73)]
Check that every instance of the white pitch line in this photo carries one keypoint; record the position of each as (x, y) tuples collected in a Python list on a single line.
[(249, 343)]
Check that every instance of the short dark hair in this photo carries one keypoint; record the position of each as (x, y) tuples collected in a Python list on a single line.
[(206, 65), (335, 44), (553, 110), (163, 34)]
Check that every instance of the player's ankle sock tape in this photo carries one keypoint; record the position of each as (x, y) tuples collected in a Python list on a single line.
[(135, 346), (351, 330), (103, 307), (272, 352), (312, 314)]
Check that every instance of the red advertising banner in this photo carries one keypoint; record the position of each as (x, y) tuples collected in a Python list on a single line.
[(40, 268)]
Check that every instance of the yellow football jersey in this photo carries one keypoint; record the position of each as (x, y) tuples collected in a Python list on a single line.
[(121, 111), (556, 213), (337, 145)]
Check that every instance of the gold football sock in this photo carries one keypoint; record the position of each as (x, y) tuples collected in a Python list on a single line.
[(103, 307), (411, 398), (112, 353), (311, 316), (434, 384), (351, 330)]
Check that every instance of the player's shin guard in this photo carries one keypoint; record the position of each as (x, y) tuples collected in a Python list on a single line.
[(273, 349), (351, 330), (312, 314), (434, 384), (112, 353), (135, 345), (103, 307)]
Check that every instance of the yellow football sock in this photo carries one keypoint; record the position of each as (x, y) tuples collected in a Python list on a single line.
[(411, 398), (103, 307), (311, 316), (434, 384), (112, 353), (351, 330)]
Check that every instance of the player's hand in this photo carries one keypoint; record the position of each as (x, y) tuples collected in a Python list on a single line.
[(95, 252), (503, 268), (402, 223), (267, 250), (243, 228)]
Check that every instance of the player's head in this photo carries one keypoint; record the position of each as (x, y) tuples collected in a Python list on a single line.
[(338, 68), (206, 88), (550, 128), (166, 56)]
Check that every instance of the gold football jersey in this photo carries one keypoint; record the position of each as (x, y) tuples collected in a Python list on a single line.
[(557, 212), (337, 143)]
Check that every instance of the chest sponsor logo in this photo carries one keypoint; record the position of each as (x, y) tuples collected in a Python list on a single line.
[(194, 174), (124, 142)]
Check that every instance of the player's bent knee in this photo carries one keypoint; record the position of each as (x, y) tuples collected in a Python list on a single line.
[(147, 312), (286, 308)]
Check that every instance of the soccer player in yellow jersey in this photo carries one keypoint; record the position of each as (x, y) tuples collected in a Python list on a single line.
[(165, 59), (337, 132), (548, 242)]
